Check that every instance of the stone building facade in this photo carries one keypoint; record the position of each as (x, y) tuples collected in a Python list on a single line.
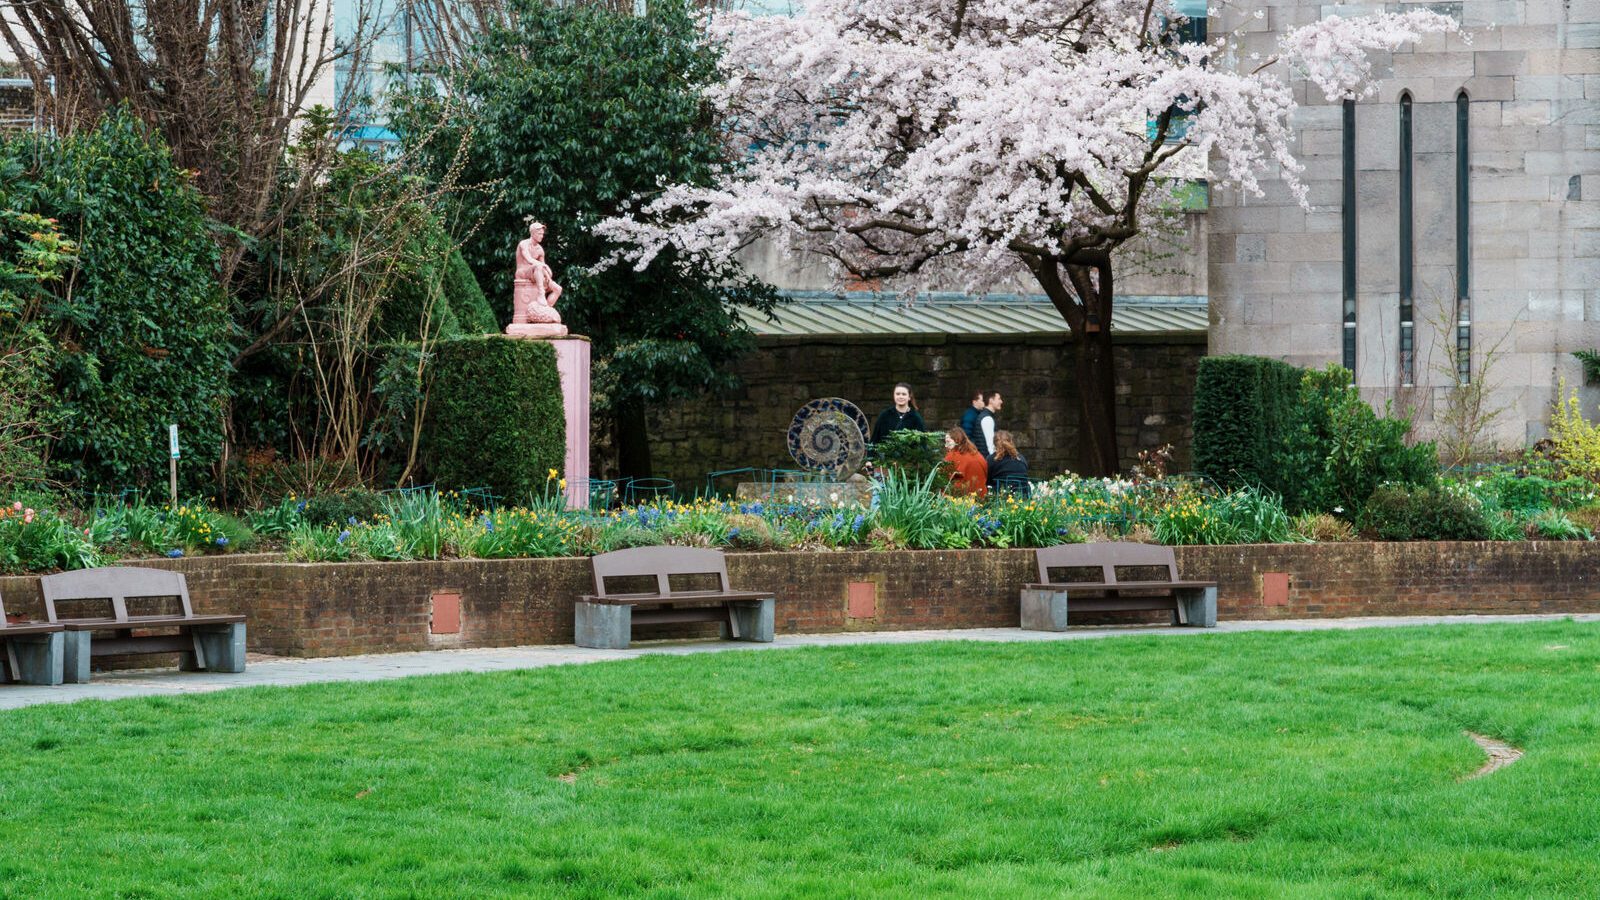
[(1456, 230), (746, 427)]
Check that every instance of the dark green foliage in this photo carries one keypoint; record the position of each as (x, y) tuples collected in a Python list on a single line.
[(495, 416), (915, 453), (1340, 450), (340, 508), (1591, 365), (142, 336), (1399, 513), (472, 310), (1243, 413), (575, 110)]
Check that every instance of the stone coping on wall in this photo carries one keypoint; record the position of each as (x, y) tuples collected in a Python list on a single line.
[(330, 609)]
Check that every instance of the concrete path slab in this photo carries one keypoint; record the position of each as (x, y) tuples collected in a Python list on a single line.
[(280, 671)]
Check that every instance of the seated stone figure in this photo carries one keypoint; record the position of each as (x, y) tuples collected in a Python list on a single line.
[(534, 290)]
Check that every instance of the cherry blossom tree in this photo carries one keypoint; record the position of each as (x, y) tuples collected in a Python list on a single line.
[(976, 142)]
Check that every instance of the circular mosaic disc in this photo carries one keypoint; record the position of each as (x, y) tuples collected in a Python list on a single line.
[(829, 436)]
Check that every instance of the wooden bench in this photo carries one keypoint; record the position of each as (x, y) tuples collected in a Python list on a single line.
[(1045, 605), (605, 619), (33, 650), (214, 643)]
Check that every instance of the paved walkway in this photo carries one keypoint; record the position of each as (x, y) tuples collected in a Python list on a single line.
[(379, 667)]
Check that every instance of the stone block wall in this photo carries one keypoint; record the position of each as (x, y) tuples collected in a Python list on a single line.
[(349, 608), (1533, 86), (747, 426)]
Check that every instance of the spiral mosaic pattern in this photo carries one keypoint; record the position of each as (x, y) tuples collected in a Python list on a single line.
[(829, 436)]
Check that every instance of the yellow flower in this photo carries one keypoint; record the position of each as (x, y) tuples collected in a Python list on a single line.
[(551, 476), (562, 484)]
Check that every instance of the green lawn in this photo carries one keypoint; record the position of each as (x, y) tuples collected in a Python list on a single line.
[(1324, 764)]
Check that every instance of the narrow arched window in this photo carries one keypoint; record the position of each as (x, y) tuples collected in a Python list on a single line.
[(1407, 247), (1463, 245), (1348, 220)]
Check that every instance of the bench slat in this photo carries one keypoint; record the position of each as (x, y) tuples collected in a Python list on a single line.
[(22, 628), (147, 622), (678, 597), (1118, 585)]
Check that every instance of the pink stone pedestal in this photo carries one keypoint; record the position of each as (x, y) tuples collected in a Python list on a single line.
[(536, 330), (572, 361)]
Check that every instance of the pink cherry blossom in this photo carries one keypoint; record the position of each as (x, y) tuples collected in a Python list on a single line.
[(978, 142)]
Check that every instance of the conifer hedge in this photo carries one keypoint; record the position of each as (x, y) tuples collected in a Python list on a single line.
[(1244, 409), (495, 416)]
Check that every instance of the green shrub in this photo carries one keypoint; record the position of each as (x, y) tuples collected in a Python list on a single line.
[(914, 453), (495, 416), (146, 339), (1397, 512), (339, 509), (473, 311), (1243, 411), (1340, 450)]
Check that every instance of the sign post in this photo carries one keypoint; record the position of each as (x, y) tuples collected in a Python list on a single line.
[(172, 447)]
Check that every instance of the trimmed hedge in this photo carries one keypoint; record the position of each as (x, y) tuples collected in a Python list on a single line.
[(1244, 411), (495, 416), (472, 309)]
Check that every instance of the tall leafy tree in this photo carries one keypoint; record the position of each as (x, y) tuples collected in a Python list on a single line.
[(574, 110)]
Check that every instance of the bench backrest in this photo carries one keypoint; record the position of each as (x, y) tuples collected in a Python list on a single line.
[(1106, 557), (660, 562), (116, 584)]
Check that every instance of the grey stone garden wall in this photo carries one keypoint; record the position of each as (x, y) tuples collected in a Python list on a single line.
[(746, 426)]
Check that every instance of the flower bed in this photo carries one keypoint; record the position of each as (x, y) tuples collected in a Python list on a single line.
[(1502, 503)]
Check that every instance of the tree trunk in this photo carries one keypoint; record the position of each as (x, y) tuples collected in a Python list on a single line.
[(1086, 307), (632, 438)]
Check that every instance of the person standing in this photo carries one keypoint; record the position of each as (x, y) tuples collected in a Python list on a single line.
[(902, 416), (969, 419), (1008, 470), (969, 473), (992, 403)]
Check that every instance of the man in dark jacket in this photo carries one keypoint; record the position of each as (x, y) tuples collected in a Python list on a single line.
[(992, 403), (969, 420)]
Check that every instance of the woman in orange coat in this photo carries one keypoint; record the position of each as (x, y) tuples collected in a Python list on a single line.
[(969, 471)]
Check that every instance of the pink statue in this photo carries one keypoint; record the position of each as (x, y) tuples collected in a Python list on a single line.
[(534, 291)]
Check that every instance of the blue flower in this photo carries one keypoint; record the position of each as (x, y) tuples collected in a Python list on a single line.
[(350, 521), (222, 540), (344, 536), (856, 525), (733, 533), (300, 507), (174, 553)]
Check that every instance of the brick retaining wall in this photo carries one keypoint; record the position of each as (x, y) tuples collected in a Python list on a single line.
[(345, 608)]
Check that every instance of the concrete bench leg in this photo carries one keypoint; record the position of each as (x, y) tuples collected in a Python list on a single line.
[(752, 620), (1199, 607), (1044, 610), (221, 645), (602, 626), (39, 658), (75, 657)]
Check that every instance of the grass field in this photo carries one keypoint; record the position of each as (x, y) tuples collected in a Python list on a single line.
[(1323, 764)]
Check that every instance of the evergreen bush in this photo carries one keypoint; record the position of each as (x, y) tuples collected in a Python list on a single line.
[(1396, 512), (145, 339), (495, 416), (1243, 412)]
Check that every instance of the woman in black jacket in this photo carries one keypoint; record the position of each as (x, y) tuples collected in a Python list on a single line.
[(1008, 470), (901, 416)]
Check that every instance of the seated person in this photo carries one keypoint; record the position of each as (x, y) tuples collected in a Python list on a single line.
[(969, 471), (1008, 470)]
